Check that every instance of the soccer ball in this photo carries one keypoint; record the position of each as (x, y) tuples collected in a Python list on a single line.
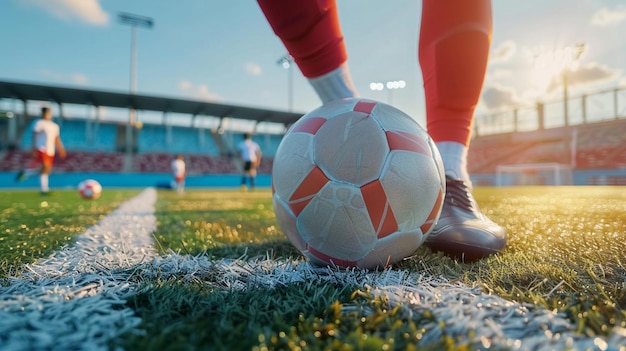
[(90, 189), (357, 183)]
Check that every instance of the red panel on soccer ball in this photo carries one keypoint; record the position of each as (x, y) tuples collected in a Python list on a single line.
[(337, 261), (379, 210), (309, 125), (365, 106), (307, 189), (432, 217), (408, 142)]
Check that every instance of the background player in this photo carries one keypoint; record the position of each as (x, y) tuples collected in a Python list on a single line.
[(455, 36), (179, 172), (46, 141), (250, 154)]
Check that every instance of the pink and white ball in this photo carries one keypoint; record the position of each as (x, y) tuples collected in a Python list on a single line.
[(357, 183), (90, 189)]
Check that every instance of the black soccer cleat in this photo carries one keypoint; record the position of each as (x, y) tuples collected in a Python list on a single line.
[(462, 230)]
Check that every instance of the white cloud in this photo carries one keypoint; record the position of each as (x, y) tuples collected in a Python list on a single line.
[(198, 91), (606, 17), (498, 97), (184, 85), (76, 78), (503, 52), (500, 73), (253, 69), (591, 73), (88, 11)]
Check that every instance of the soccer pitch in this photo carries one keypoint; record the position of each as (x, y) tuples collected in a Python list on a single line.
[(147, 269)]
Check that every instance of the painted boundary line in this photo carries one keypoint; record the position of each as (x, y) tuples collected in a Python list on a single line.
[(75, 299), (459, 311)]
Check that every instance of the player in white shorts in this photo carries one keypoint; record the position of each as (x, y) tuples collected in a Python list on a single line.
[(250, 153), (46, 143)]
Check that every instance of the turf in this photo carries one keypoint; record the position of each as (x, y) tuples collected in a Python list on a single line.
[(566, 253), (34, 225)]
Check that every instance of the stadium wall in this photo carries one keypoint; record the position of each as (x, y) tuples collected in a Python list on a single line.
[(579, 177), (130, 180), (140, 180)]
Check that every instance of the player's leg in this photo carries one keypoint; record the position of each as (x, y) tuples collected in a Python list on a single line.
[(455, 36), (46, 169), (181, 186), (252, 177), (246, 174), (33, 167), (178, 181), (311, 33)]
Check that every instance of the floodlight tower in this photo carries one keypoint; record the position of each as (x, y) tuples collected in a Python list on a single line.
[(133, 21), (574, 55)]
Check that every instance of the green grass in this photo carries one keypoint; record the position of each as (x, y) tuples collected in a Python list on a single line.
[(566, 252), (33, 226), (222, 224)]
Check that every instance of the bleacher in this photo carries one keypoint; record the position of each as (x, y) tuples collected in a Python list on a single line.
[(599, 145), (88, 135), (76, 161), (176, 140), (92, 148)]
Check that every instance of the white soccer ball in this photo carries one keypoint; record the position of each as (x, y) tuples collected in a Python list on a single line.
[(357, 183), (90, 189)]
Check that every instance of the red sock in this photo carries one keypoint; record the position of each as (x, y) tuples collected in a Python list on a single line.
[(455, 36), (310, 31)]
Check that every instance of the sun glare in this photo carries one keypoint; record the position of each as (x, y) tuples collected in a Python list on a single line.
[(550, 64)]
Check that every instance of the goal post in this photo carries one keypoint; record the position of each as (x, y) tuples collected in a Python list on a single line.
[(534, 174)]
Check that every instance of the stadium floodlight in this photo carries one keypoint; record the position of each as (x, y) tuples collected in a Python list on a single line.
[(134, 21), (287, 63), (390, 86)]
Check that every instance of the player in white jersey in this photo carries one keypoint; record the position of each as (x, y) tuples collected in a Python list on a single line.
[(46, 143), (250, 154), (179, 171)]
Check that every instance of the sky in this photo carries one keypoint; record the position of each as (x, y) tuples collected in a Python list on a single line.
[(224, 51)]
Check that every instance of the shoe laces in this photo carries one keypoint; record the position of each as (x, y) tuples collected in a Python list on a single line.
[(458, 194)]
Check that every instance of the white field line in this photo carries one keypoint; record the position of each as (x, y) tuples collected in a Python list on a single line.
[(75, 299)]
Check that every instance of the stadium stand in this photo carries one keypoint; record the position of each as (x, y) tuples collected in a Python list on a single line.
[(598, 145), (174, 139), (593, 148), (76, 161)]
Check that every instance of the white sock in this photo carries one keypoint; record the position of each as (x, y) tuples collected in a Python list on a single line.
[(43, 182), (454, 157), (336, 84)]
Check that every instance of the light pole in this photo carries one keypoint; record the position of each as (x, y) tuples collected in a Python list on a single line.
[(390, 86), (134, 21), (287, 63), (573, 55)]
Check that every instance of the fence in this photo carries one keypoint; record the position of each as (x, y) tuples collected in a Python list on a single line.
[(593, 107)]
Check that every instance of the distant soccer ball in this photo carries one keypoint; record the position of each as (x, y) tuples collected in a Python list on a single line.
[(90, 189), (357, 183)]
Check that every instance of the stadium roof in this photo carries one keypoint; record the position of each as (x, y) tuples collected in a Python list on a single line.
[(65, 95)]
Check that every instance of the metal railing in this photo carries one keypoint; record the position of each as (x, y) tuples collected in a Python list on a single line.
[(598, 106)]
